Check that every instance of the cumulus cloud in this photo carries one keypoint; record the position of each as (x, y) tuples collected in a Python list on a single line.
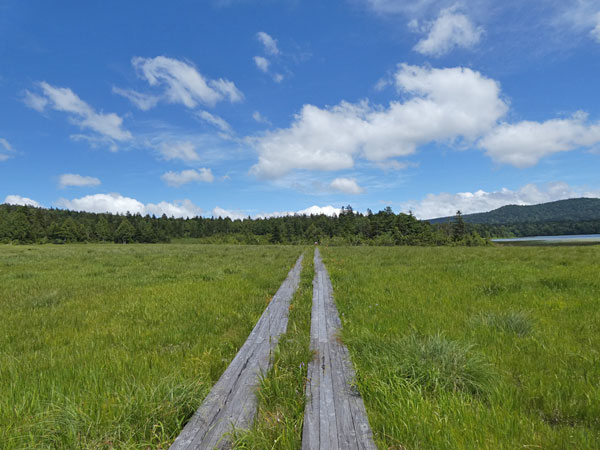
[(177, 179), (312, 210), (277, 78), (443, 105), (71, 179), (446, 204), (144, 102), (216, 121), (450, 30), (18, 200), (262, 63), (269, 44), (107, 126), (523, 144), (184, 150), (5, 149), (346, 185), (118, 204), (233, 215), (183, 83)]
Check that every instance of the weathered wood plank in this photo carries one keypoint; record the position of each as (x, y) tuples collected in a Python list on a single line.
[(232, 400), (335, 416)]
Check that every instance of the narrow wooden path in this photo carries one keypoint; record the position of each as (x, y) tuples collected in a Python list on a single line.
[(335, 416), (232, 400)]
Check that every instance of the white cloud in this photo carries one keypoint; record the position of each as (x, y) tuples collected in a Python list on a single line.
[(35, 101), (18, 200), (523, 144), (184, 150), (108, 126), (233, 215), (596, 31), (445, 204), (346, 185), (450, 30), (444, 105), (277, 78), (177, 179), (262, 63), (184, 84), (118, 204), (5, 149), (260, 118), (71, 179), (314, 210), (269, 44), (216, 121), (144, 102)]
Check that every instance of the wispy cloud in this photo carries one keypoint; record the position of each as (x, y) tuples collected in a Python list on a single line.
[(108, 127), (216, 121), (6, 149), (177, 179), (262, 63), (71, 179), (183, 83), (268, 42), (142, 101)]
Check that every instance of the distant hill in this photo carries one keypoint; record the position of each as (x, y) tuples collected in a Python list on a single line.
[(571, 210)]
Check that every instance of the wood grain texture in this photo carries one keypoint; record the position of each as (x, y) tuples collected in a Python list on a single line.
[(232, 401), (335, 416)]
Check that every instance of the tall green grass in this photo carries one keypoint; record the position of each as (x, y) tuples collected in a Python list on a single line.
[(474, 348), (281, 393), (110, 346)]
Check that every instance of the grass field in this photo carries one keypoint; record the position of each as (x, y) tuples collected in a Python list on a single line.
[(110, 346), (474, 348)]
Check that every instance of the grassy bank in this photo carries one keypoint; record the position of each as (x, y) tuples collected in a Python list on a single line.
[(109, 346), (281, 394), (462, 348)]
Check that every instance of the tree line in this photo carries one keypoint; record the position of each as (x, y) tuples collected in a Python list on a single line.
[(27, 224)]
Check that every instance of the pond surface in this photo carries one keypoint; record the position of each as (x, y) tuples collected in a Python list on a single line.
[(572, 237)]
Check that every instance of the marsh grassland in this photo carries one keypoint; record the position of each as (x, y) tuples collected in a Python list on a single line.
[(111, 346), (474, 348)]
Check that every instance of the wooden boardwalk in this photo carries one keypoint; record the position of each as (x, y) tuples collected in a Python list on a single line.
[(335, 416), (232, 401)]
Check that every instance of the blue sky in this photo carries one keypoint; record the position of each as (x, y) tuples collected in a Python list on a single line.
[(250, 107)]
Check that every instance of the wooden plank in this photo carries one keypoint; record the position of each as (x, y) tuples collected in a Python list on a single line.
[(335, 416), (232, 400)]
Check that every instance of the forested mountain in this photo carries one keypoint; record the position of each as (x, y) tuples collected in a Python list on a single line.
[(26, 224), (571, 210)]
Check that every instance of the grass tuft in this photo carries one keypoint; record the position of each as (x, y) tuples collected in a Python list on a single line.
[(517, 322), (432, 364)]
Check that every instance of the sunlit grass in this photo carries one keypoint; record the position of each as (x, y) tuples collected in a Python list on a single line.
[(474, 348), (110, 346)]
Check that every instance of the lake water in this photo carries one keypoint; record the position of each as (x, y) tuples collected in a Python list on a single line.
[(572, 237)]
